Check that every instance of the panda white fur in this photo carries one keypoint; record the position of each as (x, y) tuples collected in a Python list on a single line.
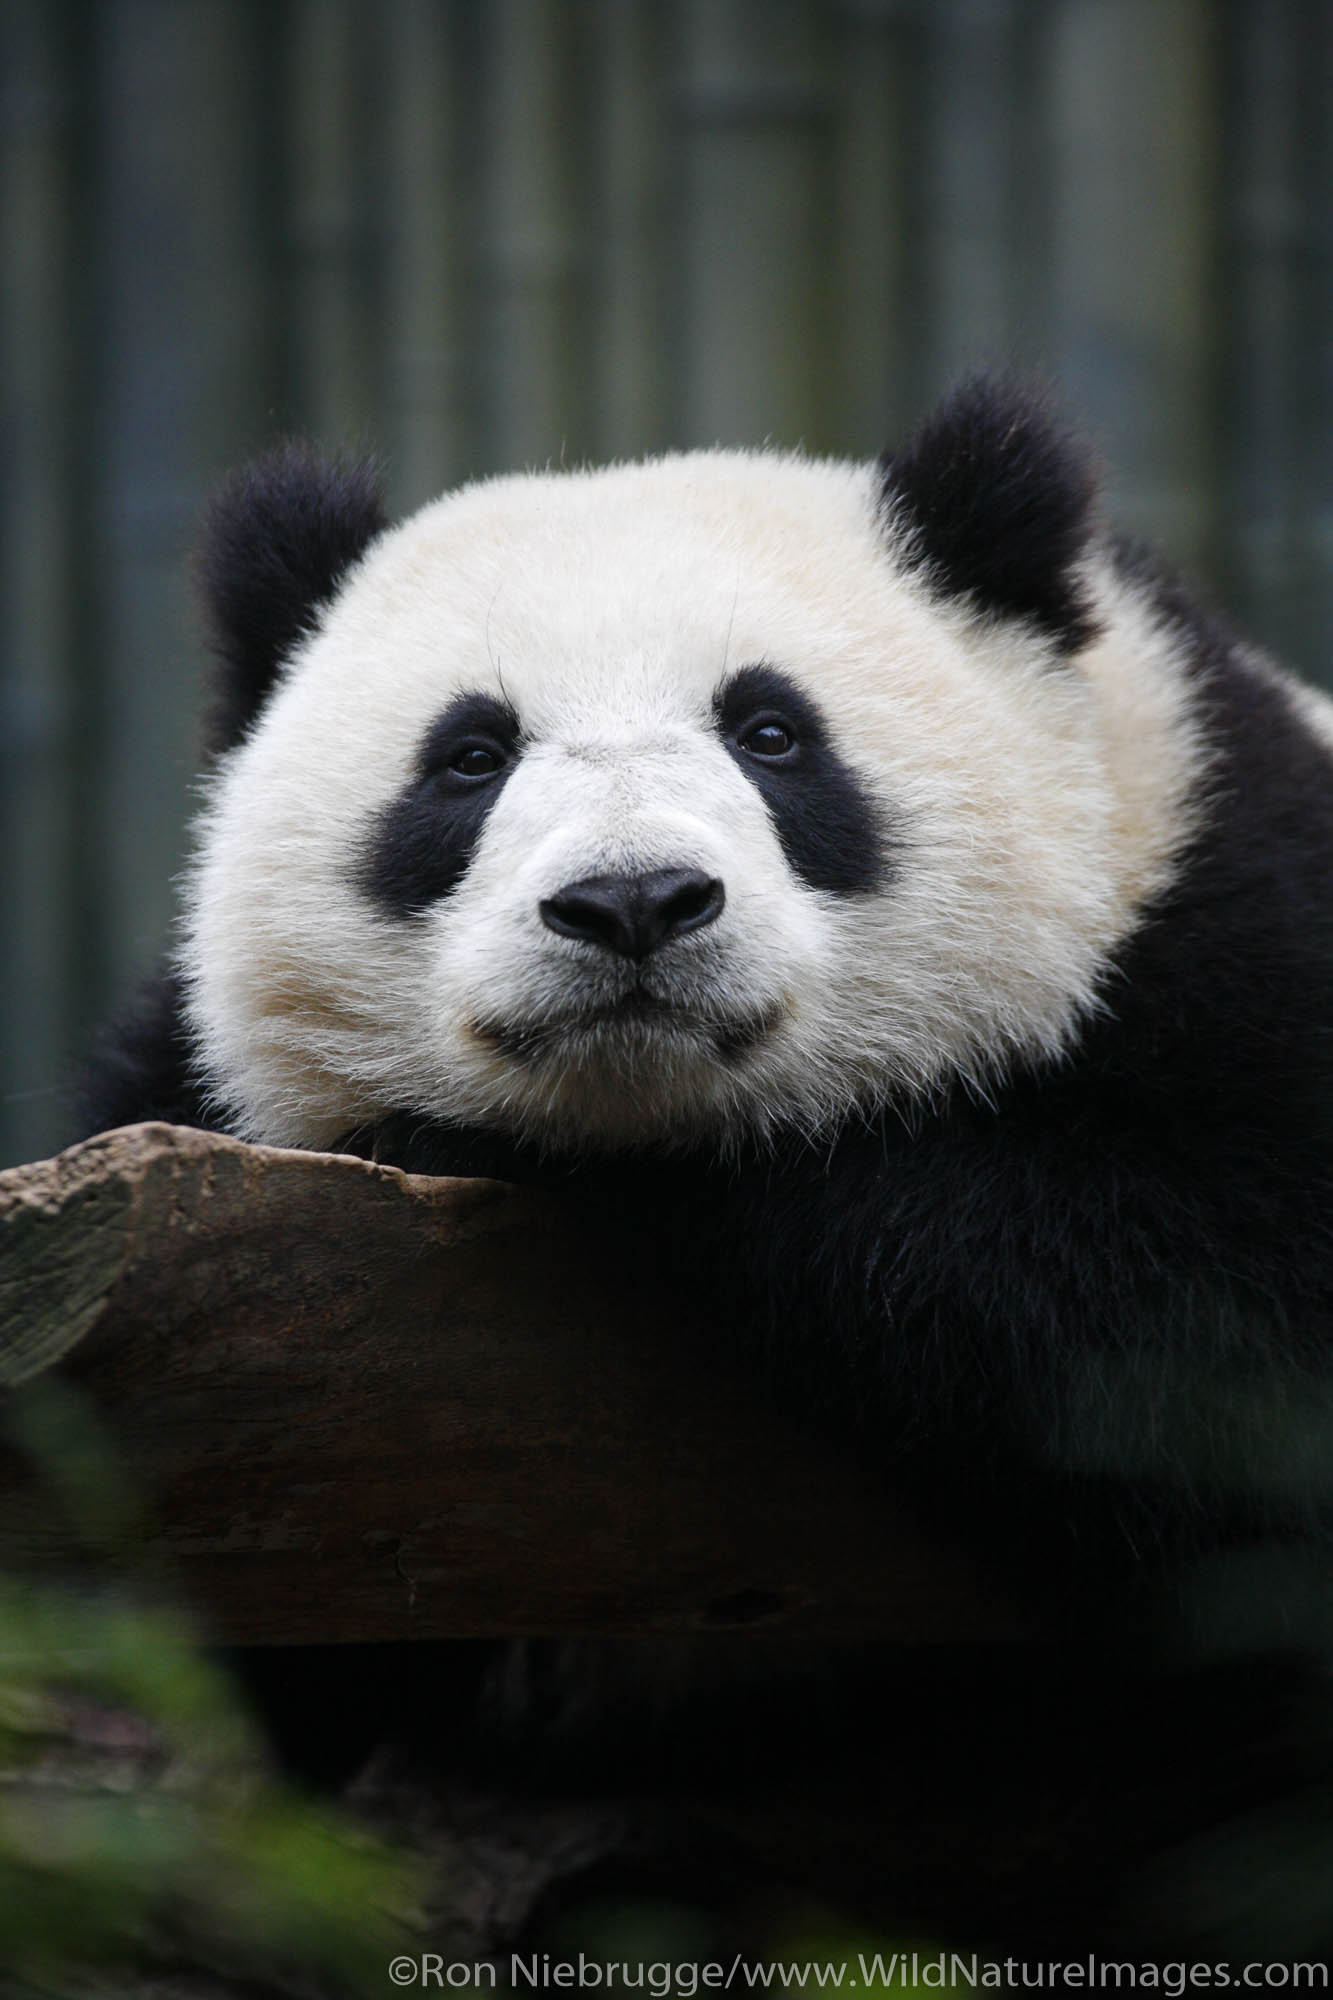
[(901, 884)]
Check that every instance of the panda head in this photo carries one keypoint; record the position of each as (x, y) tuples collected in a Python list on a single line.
[(728, 792)]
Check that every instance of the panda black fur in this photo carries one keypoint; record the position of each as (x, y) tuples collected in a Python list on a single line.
[(877, 877)]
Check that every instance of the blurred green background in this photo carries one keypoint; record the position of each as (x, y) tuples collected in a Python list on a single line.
[(489, 233)]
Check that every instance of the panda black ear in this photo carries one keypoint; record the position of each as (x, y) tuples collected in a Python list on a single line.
[(278, 540), (993, 499)]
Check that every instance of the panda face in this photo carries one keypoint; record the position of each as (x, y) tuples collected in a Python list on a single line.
[(656, 804)]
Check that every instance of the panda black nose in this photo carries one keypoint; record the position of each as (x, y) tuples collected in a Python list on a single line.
[(633, 914)]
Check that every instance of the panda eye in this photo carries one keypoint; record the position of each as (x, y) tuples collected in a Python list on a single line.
[(768, 736), (474, 761)]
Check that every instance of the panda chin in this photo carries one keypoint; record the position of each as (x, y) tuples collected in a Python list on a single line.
[(620, 1035)]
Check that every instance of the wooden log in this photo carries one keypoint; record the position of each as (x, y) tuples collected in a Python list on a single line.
[(372, 1406)]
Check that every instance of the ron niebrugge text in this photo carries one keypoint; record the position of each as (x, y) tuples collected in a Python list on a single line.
[(864, 1972)]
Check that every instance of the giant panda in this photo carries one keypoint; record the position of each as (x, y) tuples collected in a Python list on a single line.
[(879, 879)]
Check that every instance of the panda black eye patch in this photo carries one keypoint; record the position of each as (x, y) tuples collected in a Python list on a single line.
[(420, 845), (828, 825)]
